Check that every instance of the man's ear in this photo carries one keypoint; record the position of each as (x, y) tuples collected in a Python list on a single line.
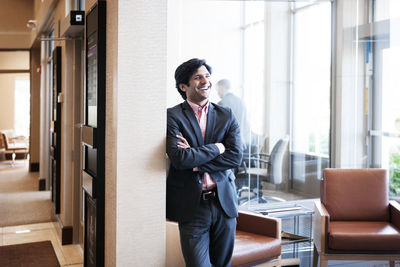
[(182, 87)]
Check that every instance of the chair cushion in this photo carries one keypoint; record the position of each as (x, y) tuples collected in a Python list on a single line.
[(364, 236), (253, 248), (356, 194)]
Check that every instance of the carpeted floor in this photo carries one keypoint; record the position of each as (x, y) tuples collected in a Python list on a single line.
[(38, 254), (20, 201)]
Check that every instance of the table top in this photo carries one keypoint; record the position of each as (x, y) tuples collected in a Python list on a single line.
[(281, 210)]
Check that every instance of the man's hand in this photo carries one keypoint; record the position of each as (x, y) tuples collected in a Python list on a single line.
[(184, 143)]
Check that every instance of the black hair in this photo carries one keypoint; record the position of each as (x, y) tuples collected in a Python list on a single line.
[(186, 70)]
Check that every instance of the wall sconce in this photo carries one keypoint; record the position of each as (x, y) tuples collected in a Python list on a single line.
[(31, 24)]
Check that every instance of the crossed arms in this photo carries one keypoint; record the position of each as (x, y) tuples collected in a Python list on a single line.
[(220, 156)]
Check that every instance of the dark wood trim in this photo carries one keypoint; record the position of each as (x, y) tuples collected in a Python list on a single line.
[(42, 184), (15, 71), (34, 167), (13, 49), (64, 232)]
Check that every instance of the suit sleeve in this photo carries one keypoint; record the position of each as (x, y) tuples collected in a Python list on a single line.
[(187, 158), (232, 156)]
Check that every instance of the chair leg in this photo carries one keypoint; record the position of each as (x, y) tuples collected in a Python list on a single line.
[(392, 263), (315, 257)]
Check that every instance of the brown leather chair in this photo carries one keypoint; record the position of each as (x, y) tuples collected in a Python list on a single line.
[(355, 219), (258, 240)]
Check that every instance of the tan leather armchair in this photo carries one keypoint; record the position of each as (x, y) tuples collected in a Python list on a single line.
[(258, 240), (355, 219)]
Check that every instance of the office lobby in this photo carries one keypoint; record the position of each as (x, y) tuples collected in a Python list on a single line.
[(84, 89)]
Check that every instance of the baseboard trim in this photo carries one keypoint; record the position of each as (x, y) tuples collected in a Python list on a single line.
[(42, 184), (34, 167), (64, 232)]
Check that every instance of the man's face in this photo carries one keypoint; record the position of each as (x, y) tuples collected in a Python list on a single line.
[(199, 86)]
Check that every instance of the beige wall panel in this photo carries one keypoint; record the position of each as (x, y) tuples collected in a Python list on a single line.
[(90, 3), (111, 133), (141, 128), (43, 14), (14, 60), (35, 107), (7, 84), (15, 41), (66, 192), (14, 14)]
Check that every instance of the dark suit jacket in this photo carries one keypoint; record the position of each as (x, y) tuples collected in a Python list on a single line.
[(184, 186), (239, 110)]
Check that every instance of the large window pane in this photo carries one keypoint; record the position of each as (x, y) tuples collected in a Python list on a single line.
[(386, 110), (264, 51), (311, 95)]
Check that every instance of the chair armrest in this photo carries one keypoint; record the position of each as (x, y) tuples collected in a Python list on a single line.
[(321, 225), (259, 224), (394, 213), (259, 159), (258, 155)]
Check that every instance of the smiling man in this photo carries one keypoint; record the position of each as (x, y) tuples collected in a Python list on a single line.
[(203, 145)]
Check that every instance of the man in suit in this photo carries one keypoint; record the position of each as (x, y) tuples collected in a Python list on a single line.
[(230, 100), (203, 145)]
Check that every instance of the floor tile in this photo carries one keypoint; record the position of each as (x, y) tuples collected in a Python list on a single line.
[(36, 236), (32, 227), (72, 254)]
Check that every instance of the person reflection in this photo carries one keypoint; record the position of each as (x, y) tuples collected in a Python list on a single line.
[(228, 99)]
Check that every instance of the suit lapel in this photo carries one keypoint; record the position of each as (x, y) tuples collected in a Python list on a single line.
[(210, 123), (188, 111)]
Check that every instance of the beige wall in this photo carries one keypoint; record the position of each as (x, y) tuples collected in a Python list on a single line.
[(7, 101), (34, 139), (14, 15), (139, 102), (111, 132), (14, 60)]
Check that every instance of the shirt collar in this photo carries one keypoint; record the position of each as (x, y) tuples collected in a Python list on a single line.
[(196, 108)]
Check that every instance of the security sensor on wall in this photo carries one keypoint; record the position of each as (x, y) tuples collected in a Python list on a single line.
[(31, 24)]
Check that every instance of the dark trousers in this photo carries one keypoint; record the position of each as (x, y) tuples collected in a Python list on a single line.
[(208, 238)]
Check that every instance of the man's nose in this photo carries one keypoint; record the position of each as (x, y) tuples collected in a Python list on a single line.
[(204, 79)]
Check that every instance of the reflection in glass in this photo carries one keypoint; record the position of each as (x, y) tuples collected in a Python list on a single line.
[(92, 81)]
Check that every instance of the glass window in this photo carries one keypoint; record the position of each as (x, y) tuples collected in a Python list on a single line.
[(385, 131), (253, 68), (311, 94), (280, 59), (22, 105)]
